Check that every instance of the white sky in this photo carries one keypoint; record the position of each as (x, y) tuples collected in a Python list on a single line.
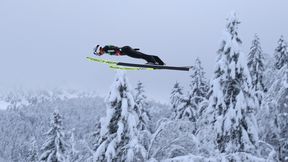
[(43, 43)]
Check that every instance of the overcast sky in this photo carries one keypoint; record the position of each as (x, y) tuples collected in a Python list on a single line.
[(44, 43)]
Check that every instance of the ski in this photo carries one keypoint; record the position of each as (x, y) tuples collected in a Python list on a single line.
[(139, 66), (181, 68), (114, 65), (102, 61), (129, 68)]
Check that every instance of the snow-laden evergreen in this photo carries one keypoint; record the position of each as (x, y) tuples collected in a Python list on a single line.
[(143, 106), (187, 109), (189, 106), (74, 153), (281, 53), (256, 68), (198, 88), (183, 106), (231, 103), (119, 141), (143, 126), (176, 97), (55, 149)]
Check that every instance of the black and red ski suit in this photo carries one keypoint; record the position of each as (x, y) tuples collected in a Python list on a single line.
[(134, 53)]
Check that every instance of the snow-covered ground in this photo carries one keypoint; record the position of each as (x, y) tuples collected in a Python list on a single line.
[(236, 157)]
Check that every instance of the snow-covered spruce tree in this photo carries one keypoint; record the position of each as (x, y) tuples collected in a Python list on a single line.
[(187, 109), (118, 141), (74, 153), (144, 124), (176, 98), (142, 105), (55, 148), (187, 106), (231, 102), (256, 68), (198, 87), (281, 53)]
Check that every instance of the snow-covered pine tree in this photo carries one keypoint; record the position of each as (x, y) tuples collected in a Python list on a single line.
[(74, 153), (256, 68), (187, 106), (144, 127), (187, 109), (176, 97), (55, 148), (281, 53), (230, 102), (118, 141), (198, 87), (142, 105)]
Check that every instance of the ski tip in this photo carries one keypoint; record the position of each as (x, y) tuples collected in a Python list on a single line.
[(89, 58)]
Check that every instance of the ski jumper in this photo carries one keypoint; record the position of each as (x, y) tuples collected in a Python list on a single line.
[(134, 53)]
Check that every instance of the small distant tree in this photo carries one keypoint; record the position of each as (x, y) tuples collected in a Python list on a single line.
[(74, 153), (281, 53), (176, 98), (55, 148), (187, 106), (198, 88), (183, 106), (142, 105), (256, 68), (187, 109)]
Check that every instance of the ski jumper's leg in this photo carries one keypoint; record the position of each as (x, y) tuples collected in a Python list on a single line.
[(135, 54), (158, 60), (148, 58)]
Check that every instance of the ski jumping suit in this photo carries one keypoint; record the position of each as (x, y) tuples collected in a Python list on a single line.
[(134, 53)]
